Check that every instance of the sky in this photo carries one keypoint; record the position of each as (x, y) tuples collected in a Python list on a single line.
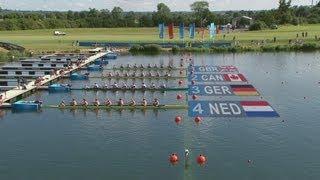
[(140, 5)]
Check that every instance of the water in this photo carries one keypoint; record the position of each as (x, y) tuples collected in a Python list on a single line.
[(56, 144)]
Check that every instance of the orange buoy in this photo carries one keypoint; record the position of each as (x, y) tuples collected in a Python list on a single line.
[(179, 96), (198, 119), (201, 159), (178, 119), (173, 158), (194, 97)]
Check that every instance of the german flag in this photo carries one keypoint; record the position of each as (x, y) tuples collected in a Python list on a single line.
[(244, 90)]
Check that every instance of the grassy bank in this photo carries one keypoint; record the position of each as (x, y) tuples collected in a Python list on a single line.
[(43, 40)]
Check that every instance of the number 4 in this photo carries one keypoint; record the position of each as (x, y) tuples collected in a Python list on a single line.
[(198, 108)]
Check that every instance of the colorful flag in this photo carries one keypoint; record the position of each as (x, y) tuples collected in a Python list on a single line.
[(161, 30), (192, 30), (170, 29), (181, 30), (212, 30), (244, 90), (235, 78), (258, 109)]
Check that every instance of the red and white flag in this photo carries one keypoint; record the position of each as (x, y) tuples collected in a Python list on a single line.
[(235, 78)]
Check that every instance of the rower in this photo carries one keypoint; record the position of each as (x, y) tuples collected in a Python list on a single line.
[(110, 74), (155, 66), (143, 86), (117, 74), (135, 66), (120, 102), (144, 102), (153, 85), (108, 102), (156, 102), (121, 66), (134, 74), (126, 74), (141, 66), (96, 102), (96, 86), (115, 85), (167, 74), (149, 65), (161, 66), (133, 86), (106, 86), (73, 102), (150, 74), (132, 102), (128, 66), (84, 102), (124, 85), (142, 74), (86, 87), (163, 86), (62, 104), (158, 74)]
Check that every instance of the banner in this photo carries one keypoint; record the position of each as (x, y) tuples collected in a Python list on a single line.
[(222, 90), (161, 30), (217, 78), (170, 29), (231, 109), (212, 31), (213, 69), (181, 30), (192, 30)]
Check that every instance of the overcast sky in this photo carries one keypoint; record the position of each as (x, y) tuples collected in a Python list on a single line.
[(140, 5)]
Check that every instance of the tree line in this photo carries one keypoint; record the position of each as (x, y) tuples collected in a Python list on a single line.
[(200, 14)]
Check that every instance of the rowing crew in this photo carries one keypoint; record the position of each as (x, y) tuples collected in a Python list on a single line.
[(125, 86), (108, 102), (135, 66), (134, 74)]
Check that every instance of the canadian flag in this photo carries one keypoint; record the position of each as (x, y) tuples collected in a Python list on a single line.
[(235, 78)]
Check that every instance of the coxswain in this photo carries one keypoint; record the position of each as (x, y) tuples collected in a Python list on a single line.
[(144, 102), (186, 153), (73, 102), (108, 102), (156, 102), (62, 104), (115, 85), (84, 102), (96, 102), (120, 102), (143, 86), (132, 102)]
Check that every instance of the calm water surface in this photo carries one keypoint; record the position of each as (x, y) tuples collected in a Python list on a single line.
[(56, 144)]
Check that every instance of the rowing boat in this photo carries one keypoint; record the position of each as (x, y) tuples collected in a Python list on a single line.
[(116, 107), (121, 89), (133, 77), (146, 68)]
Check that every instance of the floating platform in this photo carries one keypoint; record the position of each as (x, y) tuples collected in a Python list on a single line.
[(26, 106), (133, 77), (116, 107), (147, 68), (120, 89)]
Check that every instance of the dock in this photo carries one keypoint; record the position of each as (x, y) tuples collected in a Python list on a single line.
[(18, 93)]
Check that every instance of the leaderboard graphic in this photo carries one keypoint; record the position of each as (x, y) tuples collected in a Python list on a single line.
[(204, 81)]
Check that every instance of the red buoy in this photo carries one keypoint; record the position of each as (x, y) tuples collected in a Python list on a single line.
[(194, 97), (178, 119), (193, 82), (201, 159), (173, 158), (180, 82), (198, 119), (179, 96)]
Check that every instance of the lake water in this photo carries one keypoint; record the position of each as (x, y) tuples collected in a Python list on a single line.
[(55, 144)]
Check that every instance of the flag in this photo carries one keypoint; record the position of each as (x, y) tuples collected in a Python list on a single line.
[(228, 69), (212, 30), (161, 30), (235, 78), (192, 30), (244, 90), (258, 109), (170, 29), (181, 30)]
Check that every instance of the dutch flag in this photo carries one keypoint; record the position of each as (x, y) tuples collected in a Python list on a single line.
[(258, 109)]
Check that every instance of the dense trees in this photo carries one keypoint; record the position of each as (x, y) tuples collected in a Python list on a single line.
[(200, 14)]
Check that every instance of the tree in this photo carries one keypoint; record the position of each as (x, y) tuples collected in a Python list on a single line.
[(201, 11), (284, 11), (163, 14)]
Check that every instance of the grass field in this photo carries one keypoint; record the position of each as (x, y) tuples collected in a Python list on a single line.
[(43, 40)]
